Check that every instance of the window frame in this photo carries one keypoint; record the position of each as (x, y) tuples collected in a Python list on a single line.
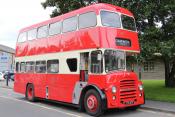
[(17, 67), (150, 66), (55, 23), (28, 34), (111, 12), (76, 16), (19, 36), (102, 62), (24, 67), (37, 65), (88, 26), (76, 64), (30, 65), (38, 32), (48, 64), (130, 17)]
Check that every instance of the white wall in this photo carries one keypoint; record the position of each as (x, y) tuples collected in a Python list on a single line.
[(6, 61)]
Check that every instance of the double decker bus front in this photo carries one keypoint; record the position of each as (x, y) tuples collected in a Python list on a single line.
[(121, 87), (119, 31)]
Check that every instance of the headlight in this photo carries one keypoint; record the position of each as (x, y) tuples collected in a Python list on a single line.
[(141, 87), (114, 89)]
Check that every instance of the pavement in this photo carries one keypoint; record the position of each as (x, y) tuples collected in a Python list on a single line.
[(4, 85), (157, 106)]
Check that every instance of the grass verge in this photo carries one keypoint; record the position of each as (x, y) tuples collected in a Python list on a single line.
[(156, 90)]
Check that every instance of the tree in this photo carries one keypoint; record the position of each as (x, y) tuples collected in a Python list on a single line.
[(155, 21)]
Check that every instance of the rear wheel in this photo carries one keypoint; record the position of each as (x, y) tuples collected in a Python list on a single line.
[(92, 103), (30, 95)]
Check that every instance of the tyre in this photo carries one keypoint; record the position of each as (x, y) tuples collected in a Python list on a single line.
[(92, 103), (30, 95)]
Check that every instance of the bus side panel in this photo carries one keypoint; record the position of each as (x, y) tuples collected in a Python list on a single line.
[(39, 81), (69, 41), (21, 49), (54, 43), (76, 40), (61, 86), (19, 84), (88, 38), (32, 48), (41, 47)]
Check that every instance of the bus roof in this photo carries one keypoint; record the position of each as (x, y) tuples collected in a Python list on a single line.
[(94, 7)]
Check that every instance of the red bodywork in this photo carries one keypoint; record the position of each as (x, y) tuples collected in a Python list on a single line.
[(95, 37), (62, 85)]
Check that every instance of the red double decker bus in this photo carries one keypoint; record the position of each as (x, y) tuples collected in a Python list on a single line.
[(79, 58)]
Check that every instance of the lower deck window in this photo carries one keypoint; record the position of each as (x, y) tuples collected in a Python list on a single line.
[(22, 67), (17, 67), (72, 64), (30, 68), (40, 67), (52, 66)]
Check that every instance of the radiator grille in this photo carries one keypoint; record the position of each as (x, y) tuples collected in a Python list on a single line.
[(127, 90)]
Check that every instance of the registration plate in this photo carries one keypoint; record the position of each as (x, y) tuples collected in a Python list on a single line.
[(129, 102)]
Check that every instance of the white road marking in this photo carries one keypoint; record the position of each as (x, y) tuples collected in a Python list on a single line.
[(154, 112), (66, 113)]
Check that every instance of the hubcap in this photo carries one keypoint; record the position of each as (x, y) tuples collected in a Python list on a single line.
[(92, 103)]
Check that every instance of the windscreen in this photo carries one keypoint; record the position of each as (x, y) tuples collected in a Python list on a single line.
[(114, 60), (110, 19), (128, 23), (113, 19)]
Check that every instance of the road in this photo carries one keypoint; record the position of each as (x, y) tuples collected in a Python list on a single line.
[(15, 105)]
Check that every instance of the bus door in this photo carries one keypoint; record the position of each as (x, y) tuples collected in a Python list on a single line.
[(84, 64), (83, 79)]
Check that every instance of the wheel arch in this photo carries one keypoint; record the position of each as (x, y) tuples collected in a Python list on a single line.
[(101, 93), (27, 86)]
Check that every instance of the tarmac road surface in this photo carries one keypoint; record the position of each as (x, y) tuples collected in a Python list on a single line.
[(15, 105)]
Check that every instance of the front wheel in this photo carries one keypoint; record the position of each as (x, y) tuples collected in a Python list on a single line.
[(92, 103), (30, 93)]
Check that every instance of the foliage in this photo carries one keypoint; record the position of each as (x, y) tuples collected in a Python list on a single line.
[(155, 21)]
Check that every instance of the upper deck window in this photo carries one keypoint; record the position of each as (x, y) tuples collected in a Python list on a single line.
[(55, 28), (128, 23), (70, 24), (87, 20), (32, 34), (42, 32), (22, 37), (110, 19)]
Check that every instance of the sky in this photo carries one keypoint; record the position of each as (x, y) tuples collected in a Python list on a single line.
[(17, 14)]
